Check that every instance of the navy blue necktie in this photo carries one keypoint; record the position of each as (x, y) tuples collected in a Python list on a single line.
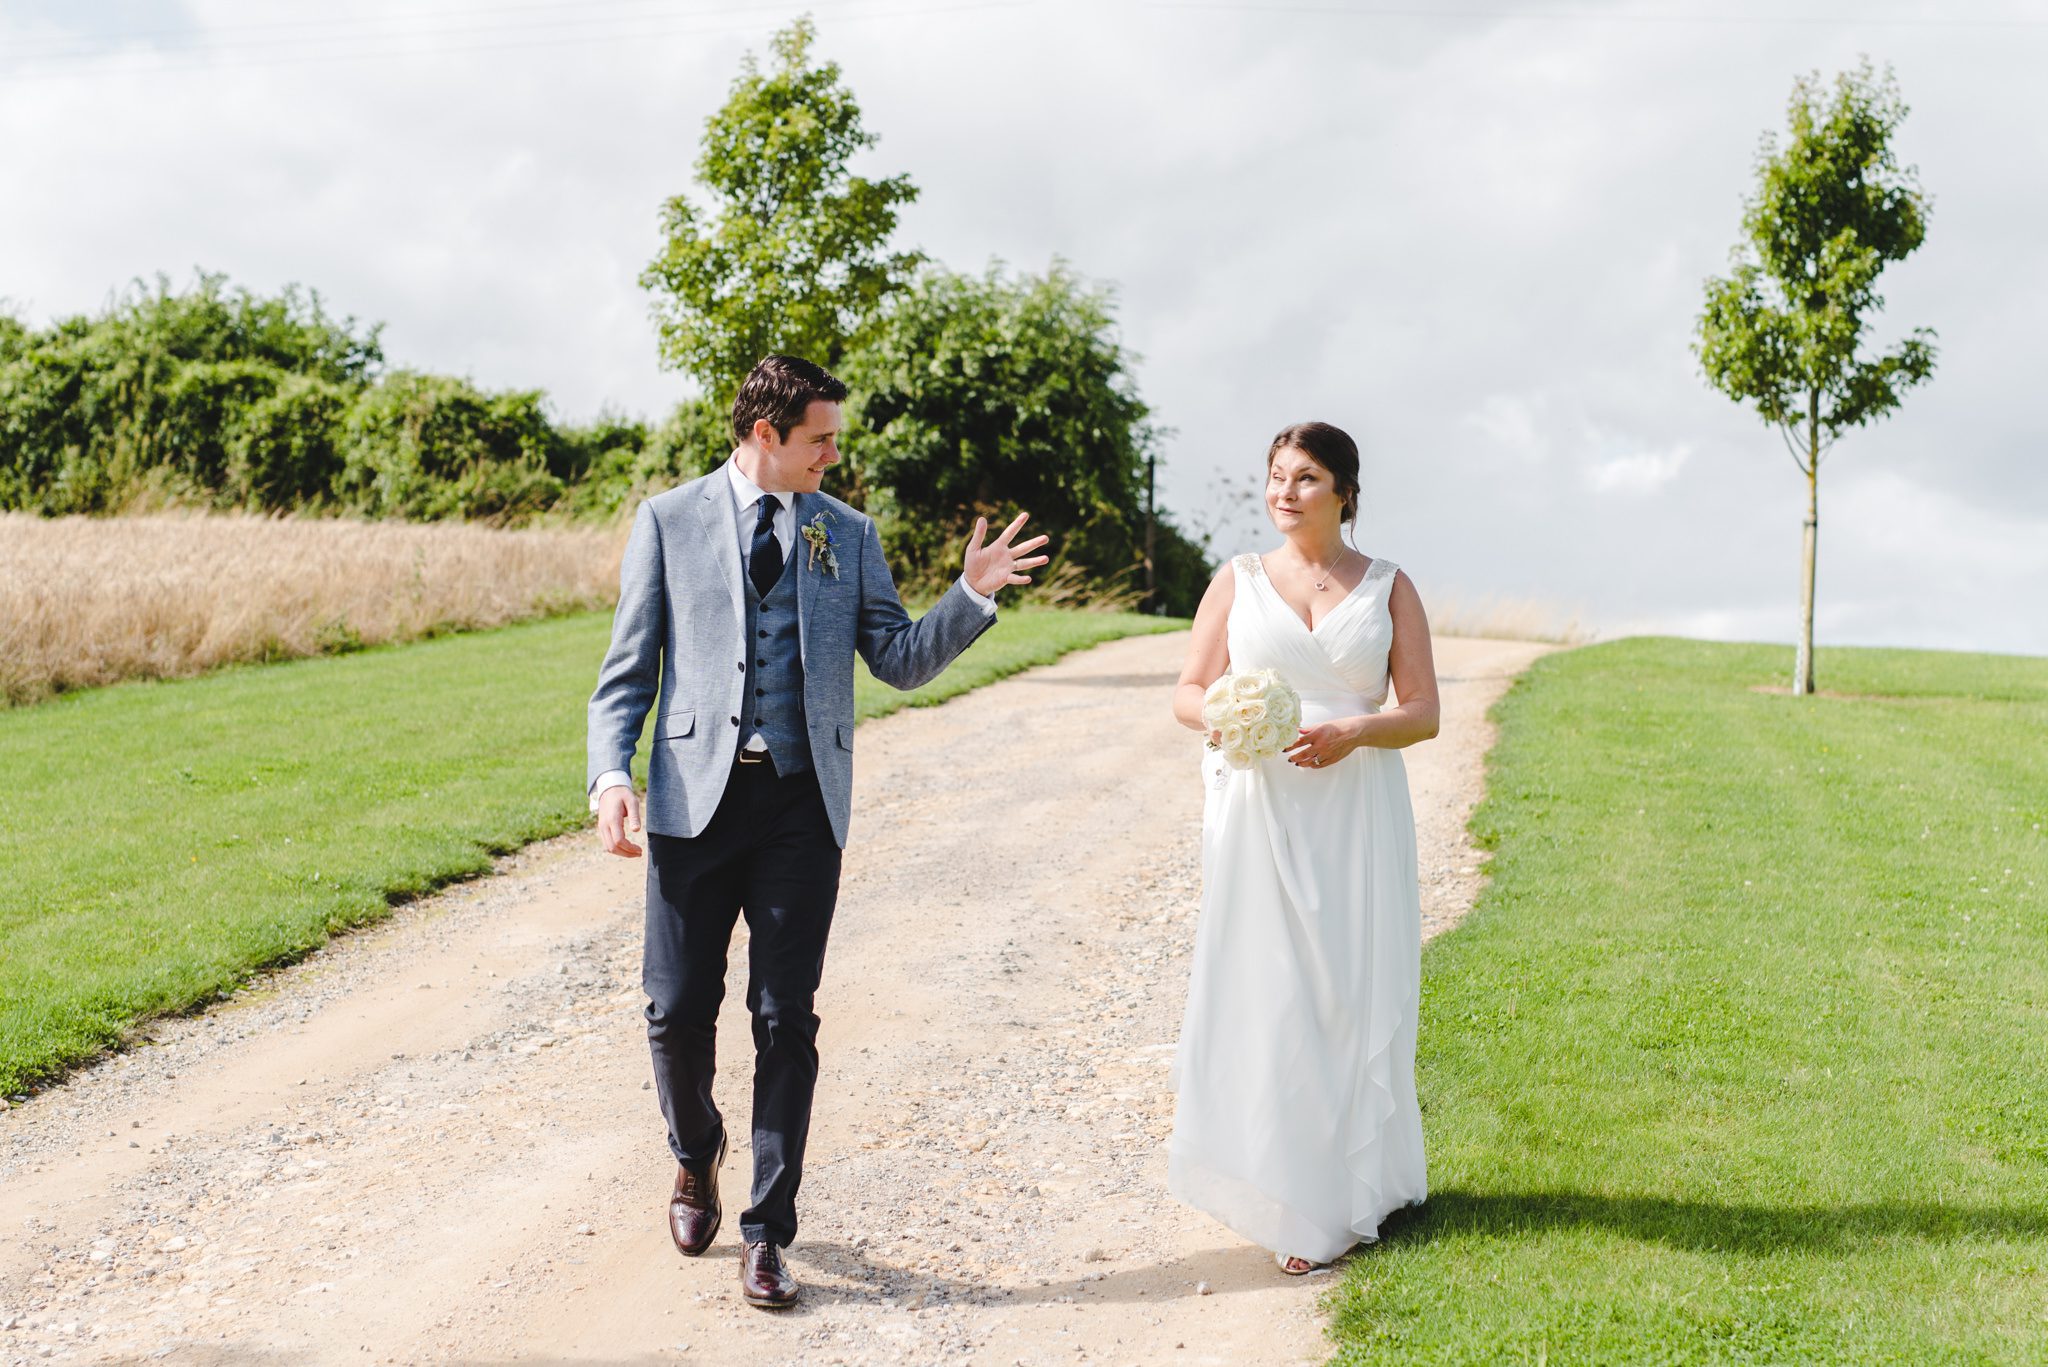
[(764, 560)]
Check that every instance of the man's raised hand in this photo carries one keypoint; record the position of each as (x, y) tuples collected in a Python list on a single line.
[(998, 563)]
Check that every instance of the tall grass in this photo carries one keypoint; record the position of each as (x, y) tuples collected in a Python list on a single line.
[(172, 593), (1505, 619), (90, 601)]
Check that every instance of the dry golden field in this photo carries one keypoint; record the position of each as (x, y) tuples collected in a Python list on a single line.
[(89, 601), (1505, 619)]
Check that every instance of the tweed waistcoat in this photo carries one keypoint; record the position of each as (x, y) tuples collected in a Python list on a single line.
[(774, 697)]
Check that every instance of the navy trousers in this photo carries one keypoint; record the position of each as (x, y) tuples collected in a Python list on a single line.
[(768, 853)]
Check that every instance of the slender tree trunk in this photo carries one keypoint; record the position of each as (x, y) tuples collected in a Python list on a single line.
[(1151, 584), (1802, 667)]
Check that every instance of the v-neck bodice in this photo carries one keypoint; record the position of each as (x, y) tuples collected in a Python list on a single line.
[(1353, 594), (1343, 654)]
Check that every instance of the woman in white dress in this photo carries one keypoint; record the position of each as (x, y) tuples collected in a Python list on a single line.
[(1297, 1123)]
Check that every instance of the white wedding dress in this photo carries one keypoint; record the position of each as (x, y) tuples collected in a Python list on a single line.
[(1297, 1124)]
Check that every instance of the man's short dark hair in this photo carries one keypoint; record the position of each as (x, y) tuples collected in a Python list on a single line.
[(780, 389)]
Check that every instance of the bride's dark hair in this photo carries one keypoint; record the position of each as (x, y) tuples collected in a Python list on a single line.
[(1329, 447)]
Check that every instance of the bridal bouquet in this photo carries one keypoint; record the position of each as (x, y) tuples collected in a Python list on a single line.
[(1256, 713)]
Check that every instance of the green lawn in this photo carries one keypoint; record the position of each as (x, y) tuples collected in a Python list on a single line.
[(1743, 1056), (159, 841)]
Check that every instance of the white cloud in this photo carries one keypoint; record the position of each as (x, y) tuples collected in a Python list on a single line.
[(1643, 472), (1916, 531), (1510, 423)]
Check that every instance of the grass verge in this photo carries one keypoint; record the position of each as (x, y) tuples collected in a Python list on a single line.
[(161, 841), (1739, 1058)]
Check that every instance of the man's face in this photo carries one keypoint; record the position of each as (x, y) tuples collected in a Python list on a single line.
[(797, 463)]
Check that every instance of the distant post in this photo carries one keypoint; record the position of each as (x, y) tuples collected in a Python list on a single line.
[(1151, 469), (1780, 332)]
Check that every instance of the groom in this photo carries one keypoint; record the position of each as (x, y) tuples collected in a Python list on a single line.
[(742, 599)]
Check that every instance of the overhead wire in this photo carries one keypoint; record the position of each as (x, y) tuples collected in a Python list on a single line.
[(301, 49), (367, 19), (394, 24), (1615, 16), (557, 23)]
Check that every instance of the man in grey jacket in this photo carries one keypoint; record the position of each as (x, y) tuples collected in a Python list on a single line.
[(743, 598)]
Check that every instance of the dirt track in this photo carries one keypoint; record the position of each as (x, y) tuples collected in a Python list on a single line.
[(434, 1140)]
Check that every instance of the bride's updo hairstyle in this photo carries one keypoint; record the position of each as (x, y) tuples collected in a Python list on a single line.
[(1329, 447)]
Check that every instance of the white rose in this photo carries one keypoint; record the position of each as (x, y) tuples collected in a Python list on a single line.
[(1238, 759), (1233, 736), (1246, 686), (1248, 712), (1215, 714), (1263, 739), (1219, 692)]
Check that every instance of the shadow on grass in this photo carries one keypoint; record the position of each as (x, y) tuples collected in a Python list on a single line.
[(1705, 1226)]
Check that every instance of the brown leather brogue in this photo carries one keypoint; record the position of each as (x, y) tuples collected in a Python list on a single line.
[(693, 1208), (764, 1277)]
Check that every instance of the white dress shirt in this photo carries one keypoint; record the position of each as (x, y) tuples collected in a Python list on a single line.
[(747, 500)]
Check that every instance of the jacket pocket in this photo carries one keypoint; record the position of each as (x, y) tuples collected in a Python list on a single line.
[(846, 739), (675, 725)]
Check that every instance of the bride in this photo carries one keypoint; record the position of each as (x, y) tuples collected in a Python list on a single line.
[(1297, 1124)]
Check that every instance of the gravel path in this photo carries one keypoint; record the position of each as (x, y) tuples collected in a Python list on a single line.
[(435, 1140)]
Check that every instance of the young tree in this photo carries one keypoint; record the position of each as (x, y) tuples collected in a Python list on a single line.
[(1782, 331), (789, 257)]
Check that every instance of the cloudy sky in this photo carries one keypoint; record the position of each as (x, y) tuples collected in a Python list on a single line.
[(1474, 234)]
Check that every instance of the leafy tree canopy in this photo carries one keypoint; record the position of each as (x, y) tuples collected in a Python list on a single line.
[(980, 394), (153, 383), (789, 253), (1783, 330)]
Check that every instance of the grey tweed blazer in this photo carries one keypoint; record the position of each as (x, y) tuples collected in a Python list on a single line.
[(676, 647)]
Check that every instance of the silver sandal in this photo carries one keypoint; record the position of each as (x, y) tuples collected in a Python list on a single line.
[(1282, 1259)]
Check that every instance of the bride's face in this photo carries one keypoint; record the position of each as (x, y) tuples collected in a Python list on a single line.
[(1300, 494)]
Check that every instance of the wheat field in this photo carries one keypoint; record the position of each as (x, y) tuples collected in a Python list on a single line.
[(91, 601)]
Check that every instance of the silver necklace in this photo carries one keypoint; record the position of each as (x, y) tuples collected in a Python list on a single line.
[(1324, 582)]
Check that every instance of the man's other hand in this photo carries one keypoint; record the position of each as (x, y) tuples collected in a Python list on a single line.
[(618, 808)]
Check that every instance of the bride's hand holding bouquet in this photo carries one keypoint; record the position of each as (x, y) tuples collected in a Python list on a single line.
[(1318, 747)]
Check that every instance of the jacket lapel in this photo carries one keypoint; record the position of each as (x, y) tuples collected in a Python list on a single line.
[(805, 507), (722, 526)]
